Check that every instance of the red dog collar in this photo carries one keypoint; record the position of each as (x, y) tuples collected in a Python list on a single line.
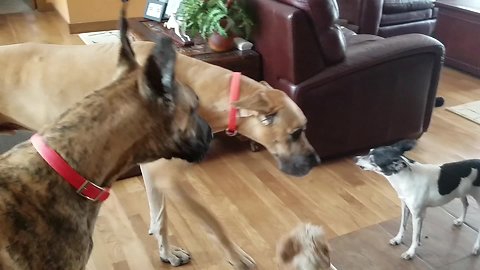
[(234, 95), (84, 187)]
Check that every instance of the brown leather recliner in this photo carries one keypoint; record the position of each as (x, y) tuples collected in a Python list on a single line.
[(388, 18), (357, 91)]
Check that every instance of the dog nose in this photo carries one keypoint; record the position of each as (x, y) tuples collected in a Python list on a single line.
[(204, 128), (355, 159), (210, 137)]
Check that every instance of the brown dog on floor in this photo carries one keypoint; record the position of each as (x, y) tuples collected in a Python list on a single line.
[(304, 248)]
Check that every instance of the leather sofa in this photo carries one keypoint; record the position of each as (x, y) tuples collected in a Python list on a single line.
[(388, 18), (357, 91)]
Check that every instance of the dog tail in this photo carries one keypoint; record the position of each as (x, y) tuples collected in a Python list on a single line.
[(127, 56), (405, 145), (124, 7)]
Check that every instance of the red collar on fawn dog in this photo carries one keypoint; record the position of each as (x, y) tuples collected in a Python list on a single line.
[(234, 94), (84, 187)]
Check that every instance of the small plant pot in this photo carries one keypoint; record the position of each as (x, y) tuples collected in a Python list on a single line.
[(219, 43)]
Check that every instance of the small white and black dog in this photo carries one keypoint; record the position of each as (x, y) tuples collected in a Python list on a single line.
[(423, 185)]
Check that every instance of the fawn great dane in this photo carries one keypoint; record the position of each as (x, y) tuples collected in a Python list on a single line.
[(39, 81)]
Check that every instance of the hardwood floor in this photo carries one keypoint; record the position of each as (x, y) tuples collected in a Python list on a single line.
[(44, 27), (252, 199)]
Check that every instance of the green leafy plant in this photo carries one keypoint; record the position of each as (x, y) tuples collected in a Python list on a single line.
[(225, 17)]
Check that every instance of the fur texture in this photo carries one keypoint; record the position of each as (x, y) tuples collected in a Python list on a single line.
[(304, 248)]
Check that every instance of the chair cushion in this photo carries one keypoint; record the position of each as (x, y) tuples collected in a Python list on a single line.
[(421, 27), (399, 6), (406, 17), (354, 40)]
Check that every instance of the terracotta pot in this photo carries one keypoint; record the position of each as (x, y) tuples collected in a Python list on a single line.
[(220, 43)]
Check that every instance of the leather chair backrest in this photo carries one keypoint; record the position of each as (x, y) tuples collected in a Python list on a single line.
[(324, 14)]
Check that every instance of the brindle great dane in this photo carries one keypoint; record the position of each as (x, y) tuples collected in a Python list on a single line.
[(44, 223), (56, 76)]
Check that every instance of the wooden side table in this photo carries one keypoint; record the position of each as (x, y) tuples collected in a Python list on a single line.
[(457, 27), (248, 61)]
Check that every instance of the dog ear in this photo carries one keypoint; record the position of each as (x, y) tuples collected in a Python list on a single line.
[(127, 57), (405, 145), (264, 83), (320, 245), (322, 249), (159, 71), (258, 102), (395, 166), (288, 248)]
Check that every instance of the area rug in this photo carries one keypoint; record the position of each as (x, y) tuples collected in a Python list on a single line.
[(470, 111), (100, 37), (103, 37), (444, 246), (13, 6)]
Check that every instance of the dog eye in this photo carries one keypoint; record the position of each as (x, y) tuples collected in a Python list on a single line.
[(267, 119), (295, 135)]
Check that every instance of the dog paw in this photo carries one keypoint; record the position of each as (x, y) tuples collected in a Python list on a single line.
[(242, 260), (175, 256), (458, 222), (395, 241), (476, 250), (408, 255)]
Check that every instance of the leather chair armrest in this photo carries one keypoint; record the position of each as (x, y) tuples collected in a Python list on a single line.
[(383, 91), (367, 54), (389, 83)]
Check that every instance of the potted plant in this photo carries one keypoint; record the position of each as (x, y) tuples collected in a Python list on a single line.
[(218, 20)]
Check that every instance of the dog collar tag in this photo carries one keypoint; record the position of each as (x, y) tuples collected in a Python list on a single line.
[(234, 95), (84, 187)]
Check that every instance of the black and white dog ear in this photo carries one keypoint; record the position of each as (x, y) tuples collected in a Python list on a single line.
[(159, 72), (405, 145), (396, 166)]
